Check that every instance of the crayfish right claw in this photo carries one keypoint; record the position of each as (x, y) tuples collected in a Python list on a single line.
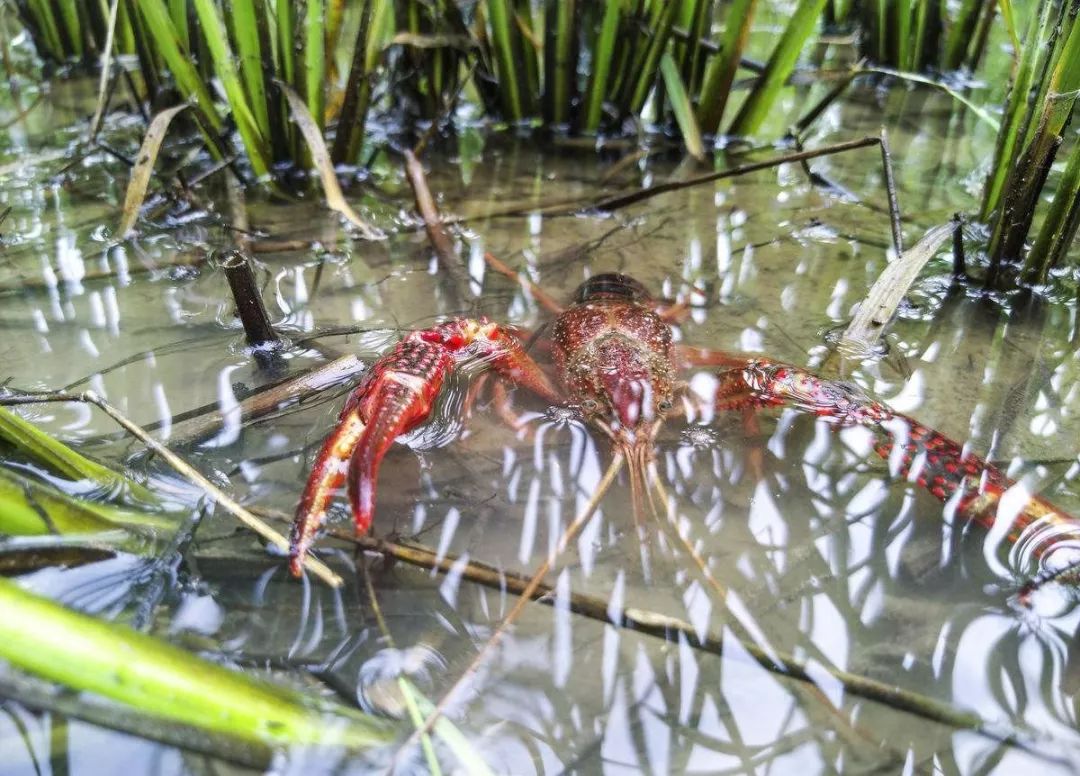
[(395, 397)]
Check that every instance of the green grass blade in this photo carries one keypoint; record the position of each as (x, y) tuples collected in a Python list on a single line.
[(1016, 110), (178, 59), (780, 65), (315, 60), (217, 40), (682, 107), (720, 72), (500, 14), (61, 459), (163, 681), (30, 508), (245, 25), (603, 53), (661, 33), (1059, 225)]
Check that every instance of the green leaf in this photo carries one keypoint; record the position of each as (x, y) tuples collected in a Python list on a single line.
[(61, 459), (163, 681), (760, 101), (681, 105)]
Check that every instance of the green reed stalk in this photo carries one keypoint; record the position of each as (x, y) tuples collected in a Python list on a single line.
[(603, 52), (315, 60), (721, 69), (500, 16), (661, 33), (1016, 109), (217, 40), (350, 130), (780, 65), (560, 60), (245, 28), (1059, 225)]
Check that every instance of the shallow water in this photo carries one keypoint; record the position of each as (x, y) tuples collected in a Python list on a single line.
[(810, 548)]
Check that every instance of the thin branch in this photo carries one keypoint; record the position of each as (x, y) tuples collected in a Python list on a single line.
[(316, 567), (526, 595)]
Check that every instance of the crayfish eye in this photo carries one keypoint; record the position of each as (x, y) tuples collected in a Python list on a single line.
[(590, 405), (665, 405)]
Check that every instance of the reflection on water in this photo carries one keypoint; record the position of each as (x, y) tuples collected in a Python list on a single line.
[(793, 539)]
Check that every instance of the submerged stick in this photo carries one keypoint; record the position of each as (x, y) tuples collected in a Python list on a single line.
[(890, 191), (527, 592), (209, 419), (258, 330), (249, 302), (316, 567), (433, 224), (672, 630)]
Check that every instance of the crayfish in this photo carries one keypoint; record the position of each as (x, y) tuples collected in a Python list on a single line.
[(615, 363)]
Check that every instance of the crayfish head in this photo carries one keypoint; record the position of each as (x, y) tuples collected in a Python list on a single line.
[(628, 391)]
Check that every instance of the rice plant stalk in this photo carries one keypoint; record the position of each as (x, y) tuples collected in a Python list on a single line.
[(1059, 225), (350, 130), (720, 72), (178, 10), (1030, 170), (560, 60), (511, 79), (315, 60), (166, 41), (603, 53), (245, 28), (961, 33), (658, 42), (61, 459), (1015, 109), (71, 29), (780, 65), (682, 107), (216, 36)]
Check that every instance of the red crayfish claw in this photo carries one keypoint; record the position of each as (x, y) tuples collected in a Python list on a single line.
[(395, 397)]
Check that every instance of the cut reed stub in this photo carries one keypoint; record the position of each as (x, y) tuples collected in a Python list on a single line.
[(258, 330)]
